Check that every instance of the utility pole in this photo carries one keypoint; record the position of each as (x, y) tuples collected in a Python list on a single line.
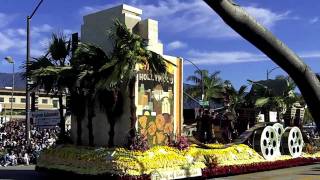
[(27, 74)]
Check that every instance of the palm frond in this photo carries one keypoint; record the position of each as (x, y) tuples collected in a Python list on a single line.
[(59, 48), (260, 102)]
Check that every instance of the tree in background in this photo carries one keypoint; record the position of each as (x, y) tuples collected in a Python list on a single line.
[(52, 73), (213, 85), (239, 20)]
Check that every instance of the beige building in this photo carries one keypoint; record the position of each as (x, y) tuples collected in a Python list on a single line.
[(45, 102), (94, 30)]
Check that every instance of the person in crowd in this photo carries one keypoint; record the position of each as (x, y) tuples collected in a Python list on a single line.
[(12, 139)]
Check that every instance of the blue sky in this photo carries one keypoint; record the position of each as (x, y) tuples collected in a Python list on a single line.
[(188, 28)]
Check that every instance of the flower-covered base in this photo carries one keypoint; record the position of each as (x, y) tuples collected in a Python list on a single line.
[(163, 161)]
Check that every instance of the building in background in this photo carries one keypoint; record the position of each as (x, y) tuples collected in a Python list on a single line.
[(40, 102)]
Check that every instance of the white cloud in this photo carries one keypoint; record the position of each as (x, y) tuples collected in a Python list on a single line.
[(314, 20), (230, 57), (198, 19), (5, 19), (36, 31), (13, 41), (176, 45), (91, 9), (42, 28), (309, 54), (6, 42), (267, 17), (216, 57)]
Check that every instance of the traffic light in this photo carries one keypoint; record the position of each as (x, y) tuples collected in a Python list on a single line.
[(34, 101)]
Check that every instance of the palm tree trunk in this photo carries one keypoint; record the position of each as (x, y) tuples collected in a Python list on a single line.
[(264, 40), (62, 119), (133, 117), (111, 118), (111, 132), (79, 131), (91, 114)]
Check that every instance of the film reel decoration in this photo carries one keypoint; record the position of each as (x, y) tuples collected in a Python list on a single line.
[(279, 130), (292, 141), (266, 142)]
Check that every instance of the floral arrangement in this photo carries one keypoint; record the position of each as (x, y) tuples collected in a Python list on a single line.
[(140, 143), (156, 129), (180, 143), (254, 167), (127, 163)]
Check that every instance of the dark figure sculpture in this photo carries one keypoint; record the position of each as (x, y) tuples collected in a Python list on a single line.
[(206, 127)]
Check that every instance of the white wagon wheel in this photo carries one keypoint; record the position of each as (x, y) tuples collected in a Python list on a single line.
[(279, 130), (292, 141), (266, 142)]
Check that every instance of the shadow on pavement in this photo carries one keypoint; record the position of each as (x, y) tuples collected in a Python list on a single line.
[(21, 174)]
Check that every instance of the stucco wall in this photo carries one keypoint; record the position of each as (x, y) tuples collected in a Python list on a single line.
[(101, 126)]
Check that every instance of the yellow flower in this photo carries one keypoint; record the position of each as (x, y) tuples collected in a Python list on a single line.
[(143, 121)]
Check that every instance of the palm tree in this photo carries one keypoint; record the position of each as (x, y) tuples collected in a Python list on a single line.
[(213, 85), (129, 50), (87, 62), (239, 20), (236, 98), (53, 73), (267, 98)]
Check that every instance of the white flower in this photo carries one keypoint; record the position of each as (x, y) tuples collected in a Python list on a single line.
[(250, 153), (150, 154), (189, 159), (162, 151), (234, 156), (239, 150)]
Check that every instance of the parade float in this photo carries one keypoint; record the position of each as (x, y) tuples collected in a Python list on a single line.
[(160, 151)]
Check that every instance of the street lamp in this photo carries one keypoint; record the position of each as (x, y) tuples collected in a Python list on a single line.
[(269, 71), (10, 60), (27, 73), (202, 84)]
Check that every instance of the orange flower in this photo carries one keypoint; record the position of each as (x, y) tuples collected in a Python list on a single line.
[(143, 132), (168, 128), (152, 128), (143, 121), (160, 121), (160, 137)]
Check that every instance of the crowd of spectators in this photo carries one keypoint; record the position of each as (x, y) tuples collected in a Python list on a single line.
[(13, 145)]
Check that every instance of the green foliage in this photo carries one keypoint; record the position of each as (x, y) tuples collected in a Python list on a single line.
[(128, 51), (307, 117), (260, 102), (213, 85)]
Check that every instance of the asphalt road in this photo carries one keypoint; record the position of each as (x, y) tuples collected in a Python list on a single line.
[(311, 172), (21, 173)]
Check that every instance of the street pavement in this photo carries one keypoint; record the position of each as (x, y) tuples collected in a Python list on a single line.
[(311, 172), (21, 173)]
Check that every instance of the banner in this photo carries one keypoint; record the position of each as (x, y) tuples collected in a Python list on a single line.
[(155, 108), (45, 118)]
